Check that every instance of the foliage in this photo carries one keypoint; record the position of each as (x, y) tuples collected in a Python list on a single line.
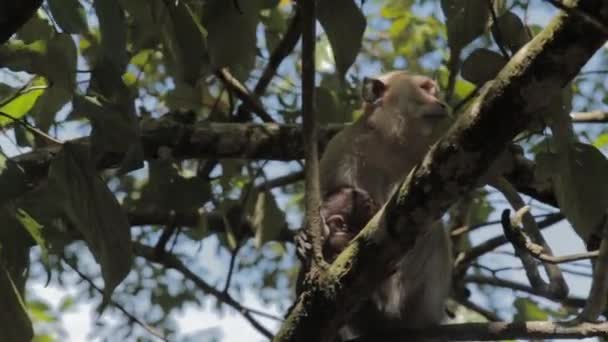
[(103, 68)]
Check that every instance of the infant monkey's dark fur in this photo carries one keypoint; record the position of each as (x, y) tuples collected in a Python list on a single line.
[(344, 213)]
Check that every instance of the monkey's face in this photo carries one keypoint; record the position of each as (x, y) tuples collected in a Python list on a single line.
[(416, 97), (344, 213)]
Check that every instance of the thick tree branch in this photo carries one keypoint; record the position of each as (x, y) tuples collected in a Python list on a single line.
[(495, 331), (244, 141), (451, 169)]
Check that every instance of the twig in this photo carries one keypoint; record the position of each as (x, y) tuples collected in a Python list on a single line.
[(516, 286), (489, 245), (250, 101), (310, 132), (557, 285), (170, 261), (487, 314), (284, 48), (233, 255), (496, 32), (31, 128), (280, 181), (136, 320), (467, 229), (596, 116), (166, 234)]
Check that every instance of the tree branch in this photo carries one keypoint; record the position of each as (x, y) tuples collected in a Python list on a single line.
[(495, 331), (243, 141), (285, 47), (170, 261), (596, 116)]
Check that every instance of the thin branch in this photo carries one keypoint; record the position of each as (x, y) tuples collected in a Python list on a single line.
[(250, 101), (557, 285), (233, 256), (310, 132), (467, 229), (166, 234), (489, 245), (280, 181), (171, 261), (487, 314), (596, 116), (516, 286), (122, 309), (496, 32), (283, 50), (31, 128)]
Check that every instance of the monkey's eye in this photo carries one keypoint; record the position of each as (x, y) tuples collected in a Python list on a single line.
[(336, 222)]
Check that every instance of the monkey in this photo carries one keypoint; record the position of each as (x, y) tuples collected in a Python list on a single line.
[(402, 117)]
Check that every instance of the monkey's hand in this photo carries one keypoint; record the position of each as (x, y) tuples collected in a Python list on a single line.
[(303, 246)]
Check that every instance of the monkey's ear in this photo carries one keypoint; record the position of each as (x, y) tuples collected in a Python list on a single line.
[(373, 89)]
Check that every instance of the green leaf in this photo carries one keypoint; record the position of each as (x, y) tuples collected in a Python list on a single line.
[(66, 304), (528, 310), (267, 219), (41, 311), (69, 15), (20, 103), (465, 21), (185, 41), (94, 211), (15, 324), (35, 231), (55, 59), (115, 131), (601, 140), (578, 176), (481, 66), (113, 28), (144, 22), (232, 34), (511, 30), (344, 24)]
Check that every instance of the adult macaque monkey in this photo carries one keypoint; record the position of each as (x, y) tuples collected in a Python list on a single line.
[(402, 117)]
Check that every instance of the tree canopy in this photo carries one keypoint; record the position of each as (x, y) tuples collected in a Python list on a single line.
[(154, 151)]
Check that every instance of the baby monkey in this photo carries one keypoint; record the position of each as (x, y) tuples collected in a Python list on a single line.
[(344, 213)]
